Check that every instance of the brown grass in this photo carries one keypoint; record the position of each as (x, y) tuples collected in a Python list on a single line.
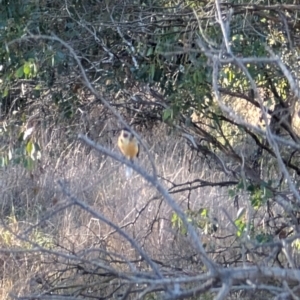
[(32, 210)]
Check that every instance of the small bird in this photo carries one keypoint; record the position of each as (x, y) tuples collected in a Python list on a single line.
[(129, 146)]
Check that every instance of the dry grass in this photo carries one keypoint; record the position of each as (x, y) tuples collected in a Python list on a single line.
[(33, 209)]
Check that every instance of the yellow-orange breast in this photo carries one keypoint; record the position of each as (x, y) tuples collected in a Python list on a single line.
[(129, 147)]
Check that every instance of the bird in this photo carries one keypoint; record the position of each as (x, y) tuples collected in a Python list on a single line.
[(129, 146)]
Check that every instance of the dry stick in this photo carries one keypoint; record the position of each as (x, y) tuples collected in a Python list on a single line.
[(36, 248), (216, 62), (270, 137), (200, 288), (233, 273), (87, 208), (222, 25), (228, 110), (153, 180), (269, 134), (225, 289)]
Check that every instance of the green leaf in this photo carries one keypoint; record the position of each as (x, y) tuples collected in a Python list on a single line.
[(167, 114), (27, 69), (296, 244), (3, 161), (36, 93), (20, 72), (157, 74), (241, 226), (231, 193), (251, 188), (174, 218), (204, 212), (149, 51), (5, 92), (28, 163), (30, 149), (264, 238), (60, 56), (17, 160), (152, 71)]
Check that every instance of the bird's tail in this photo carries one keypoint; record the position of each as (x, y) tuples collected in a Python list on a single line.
[(128, 172)]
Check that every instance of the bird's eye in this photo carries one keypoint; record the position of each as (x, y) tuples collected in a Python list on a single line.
[(125, 134)]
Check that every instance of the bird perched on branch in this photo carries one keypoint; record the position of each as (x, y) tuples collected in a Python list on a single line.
[(129, 146)]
